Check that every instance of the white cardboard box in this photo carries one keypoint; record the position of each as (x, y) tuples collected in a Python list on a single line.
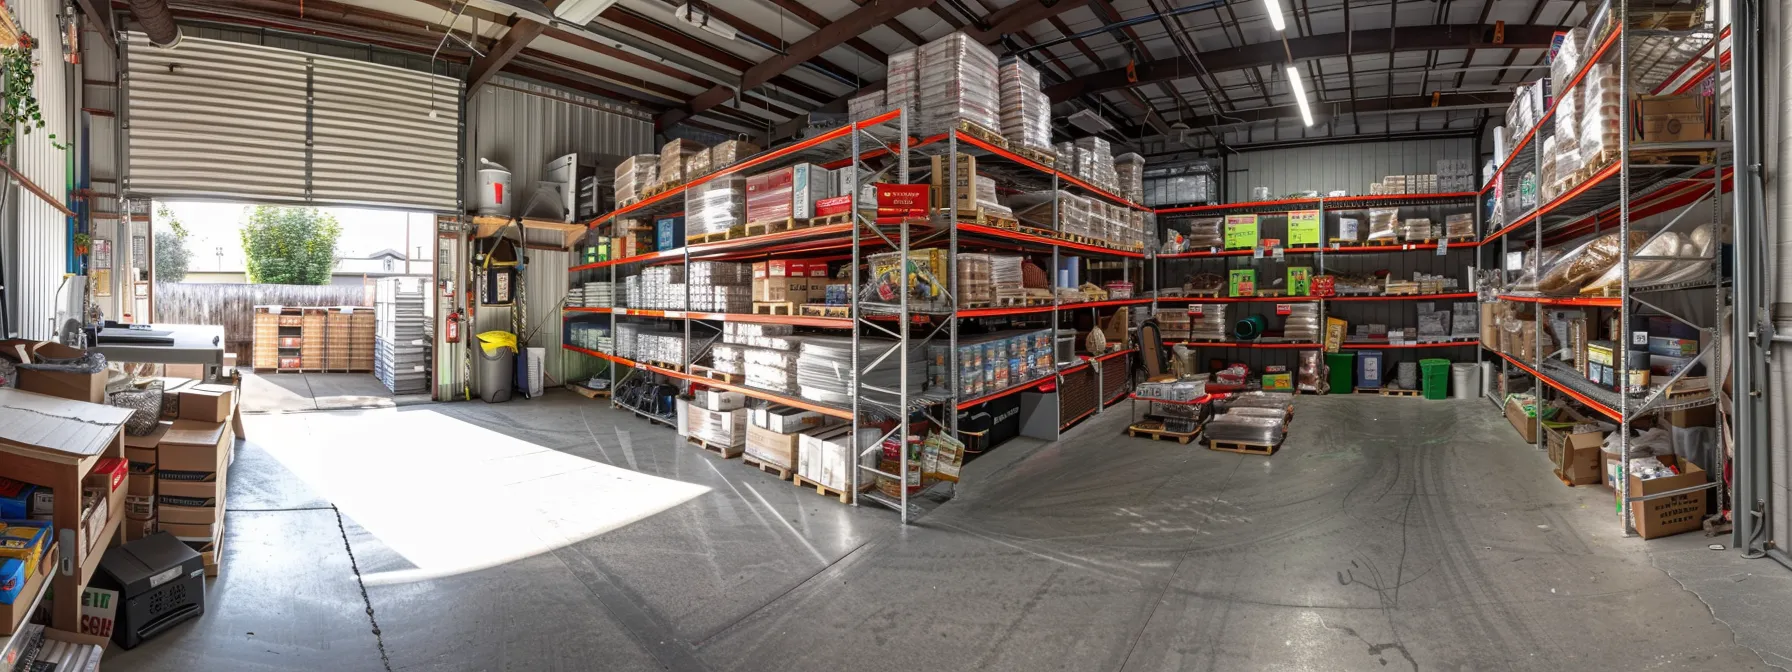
[(810, 449), (727, 428), (785, 419), (720, 400)]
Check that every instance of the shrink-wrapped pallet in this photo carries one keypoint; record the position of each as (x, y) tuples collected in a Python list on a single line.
[(634, 175), (1026, 111), (716, 206), (958, 82), (674, 157)]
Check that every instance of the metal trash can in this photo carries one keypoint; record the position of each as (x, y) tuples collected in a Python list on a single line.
[(497, 366), (1465, 381)]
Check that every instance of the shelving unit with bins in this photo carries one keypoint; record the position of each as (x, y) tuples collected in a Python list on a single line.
[(882, 148), (1642, 180), (1328, 257)]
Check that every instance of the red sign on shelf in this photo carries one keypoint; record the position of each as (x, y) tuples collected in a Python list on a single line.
[(1284, 308), (901, 201)]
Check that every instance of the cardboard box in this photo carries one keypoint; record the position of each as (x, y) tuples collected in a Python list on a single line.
[(167, 514), (191, 450), (965, 188), (1703, 416), (189, 493), (171, 388), (789, 192), (772, 448), (108, 473), (14, 612), (719, 400), (88, 387), (15, 498), (135, 529), (25, 541), (794, 290), (139, 507), (785, 419), (723, 428), (1576, 455), (1674, 514), (193, 371), (1525, 424), (1672, 118), (207, 403), (194, 532)]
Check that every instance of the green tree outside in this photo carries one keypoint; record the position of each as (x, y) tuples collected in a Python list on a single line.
[(290, 245), (172, 257)]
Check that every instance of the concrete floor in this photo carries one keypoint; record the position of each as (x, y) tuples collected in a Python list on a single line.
[(556, 534), (294, 392)]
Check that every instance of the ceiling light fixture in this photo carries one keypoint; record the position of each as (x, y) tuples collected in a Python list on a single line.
[(1300, 94), (581, 12), (700, 17), (1275, 14)]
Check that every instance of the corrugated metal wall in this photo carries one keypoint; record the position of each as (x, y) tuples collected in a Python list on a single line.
[(38, 249), (1348, 167), (523, 126)]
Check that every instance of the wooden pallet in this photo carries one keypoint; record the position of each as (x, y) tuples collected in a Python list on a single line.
[(589, 393), (977, 131), (1661, 157), (776, 226), (1390, 392), (984, 217), (774, 308), (664, 365), (1015, 301), (661, 188), (1244, 447), (799, 481), (830, 220), (726, 452), (719, 236), (712, 374), (825, 310), (1047, 159), (1036, 231), (782, 473), (1368, 390), (1155, 430), (1381, 242)]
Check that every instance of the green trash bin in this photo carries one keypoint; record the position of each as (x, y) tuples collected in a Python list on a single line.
[(1434, 378), (1343, 371)]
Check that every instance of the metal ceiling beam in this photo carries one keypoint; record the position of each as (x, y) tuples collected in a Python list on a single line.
[(1408, 38), (777, 43), (520, 34), (897, 27), (813, 18), (1018, 16), (626, 56), (101, 16), (859, 21), (680, 41)]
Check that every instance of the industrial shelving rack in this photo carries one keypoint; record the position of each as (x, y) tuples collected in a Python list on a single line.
[(880, 148), (1615, 197), (1319, 254)]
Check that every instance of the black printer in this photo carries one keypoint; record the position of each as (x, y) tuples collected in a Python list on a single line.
[(160, 583)]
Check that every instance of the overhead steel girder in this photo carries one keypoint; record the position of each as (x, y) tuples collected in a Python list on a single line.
[(1382, 40), (1445, 102)]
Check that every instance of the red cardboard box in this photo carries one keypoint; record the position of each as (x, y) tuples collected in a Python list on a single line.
[(109, 473), (832, 206)]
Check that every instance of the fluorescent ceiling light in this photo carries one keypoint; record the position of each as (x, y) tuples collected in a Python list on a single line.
[(1275, 14), (701, 18), (1300, 94), (581, 11)]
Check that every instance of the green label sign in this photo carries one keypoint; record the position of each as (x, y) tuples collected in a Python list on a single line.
[(1303, 227), (1243, 282), (1241, 232)]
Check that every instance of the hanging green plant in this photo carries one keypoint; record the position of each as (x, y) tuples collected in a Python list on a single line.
[(19, 112)]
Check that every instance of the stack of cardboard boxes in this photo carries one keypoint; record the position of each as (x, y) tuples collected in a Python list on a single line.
[(178, 471), (774, 434), (719, 419), (795, 281)]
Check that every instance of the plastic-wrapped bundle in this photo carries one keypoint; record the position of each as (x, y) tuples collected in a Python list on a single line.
[(1600, 106), (824, 370), (1244, 429), (773, 370), (719, 273), (625, 333), (673, 157), (729, 299), (730, 153), (1206, 232), (860, 108), (1665, 244), (743, 330), (1460, 226), (716, 206), (1130, 169), (631, 292), (659, 347), (1004, 272), (1383, 224), (635, 174), (957, 83), (1034, 208), (1277, 400), (987, 199), (1207, 322), (1026, 111), (1417, 228), (1465, 320), (1574, 270), (727, 358), (1257, 412), (1548, 180), (1073, 214), (902, 86), (1302, 323), (975, 285), (1433, 323)]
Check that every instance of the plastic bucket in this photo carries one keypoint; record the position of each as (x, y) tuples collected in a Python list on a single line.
[(494, 191), (1465, 380), (1343, 367), (1436, 382)]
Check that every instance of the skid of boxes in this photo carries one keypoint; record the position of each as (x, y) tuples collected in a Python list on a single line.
[(178, 470)]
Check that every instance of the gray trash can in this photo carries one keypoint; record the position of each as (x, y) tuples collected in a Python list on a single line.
[(496, 370)]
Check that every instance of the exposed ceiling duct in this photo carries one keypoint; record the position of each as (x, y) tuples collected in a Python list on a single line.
[(157, 22)]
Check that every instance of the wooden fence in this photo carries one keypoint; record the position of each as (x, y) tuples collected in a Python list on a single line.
[(233, 305)]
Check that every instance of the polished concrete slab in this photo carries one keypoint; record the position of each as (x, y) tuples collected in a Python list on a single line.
[(299, 392), (1387, 534)]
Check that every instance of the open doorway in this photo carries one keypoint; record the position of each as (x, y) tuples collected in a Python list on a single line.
[(297, 291)]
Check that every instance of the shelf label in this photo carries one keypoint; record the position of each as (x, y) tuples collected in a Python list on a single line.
[(1303, 227), (1197, 310), (674, 314), (1277, 254), (1284, 308), (618, 311), (1443, 247), (1241, 232)]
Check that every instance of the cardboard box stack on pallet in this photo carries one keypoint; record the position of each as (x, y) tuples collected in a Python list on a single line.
[(178, 470)]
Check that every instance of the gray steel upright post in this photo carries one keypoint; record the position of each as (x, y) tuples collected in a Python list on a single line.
[(1624, 304)]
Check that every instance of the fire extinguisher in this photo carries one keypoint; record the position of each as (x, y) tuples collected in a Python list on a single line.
[(451, 332)]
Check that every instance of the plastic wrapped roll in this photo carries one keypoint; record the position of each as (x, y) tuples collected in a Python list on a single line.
[(1257, 412), (1249, 327), (727, 358), (1244, 429), (1206, 232), (1586, 263), (1277, 400)]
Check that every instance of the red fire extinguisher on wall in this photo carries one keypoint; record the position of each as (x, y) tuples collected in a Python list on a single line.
[(451, 332)]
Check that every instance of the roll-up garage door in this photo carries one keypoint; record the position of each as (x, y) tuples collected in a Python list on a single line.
[(213, 119)]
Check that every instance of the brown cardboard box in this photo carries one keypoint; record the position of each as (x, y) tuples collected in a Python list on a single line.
[(141, 483), (1672, 118), (171, 388), (1526, 425), (194, 447), (1703, 416), (965, 191), (780, 289), (143, 448), (1669, 515), (196, 532), (206, 403), (88, 387), (768, 447), (1576, 455), (135, 529), (1490, 336), (194, 371), (139, 507)]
